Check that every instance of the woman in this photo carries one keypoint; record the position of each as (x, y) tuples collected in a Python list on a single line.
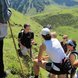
[(72, 55)]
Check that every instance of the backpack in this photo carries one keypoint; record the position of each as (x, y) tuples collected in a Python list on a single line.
[(75, 52), (5, 13), (66, 65)]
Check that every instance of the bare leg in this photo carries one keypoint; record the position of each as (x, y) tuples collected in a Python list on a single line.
[(53, 76), (37, 66), (62, 76)]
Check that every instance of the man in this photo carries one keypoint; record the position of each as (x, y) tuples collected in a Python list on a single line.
[(56, 54), (26, 39), (4, 17)]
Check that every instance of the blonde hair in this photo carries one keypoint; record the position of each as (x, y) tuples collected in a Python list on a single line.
[(65, 36), (54, 35)]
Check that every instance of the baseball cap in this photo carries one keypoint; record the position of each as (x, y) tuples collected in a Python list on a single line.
[(70, 42), (45, 31)]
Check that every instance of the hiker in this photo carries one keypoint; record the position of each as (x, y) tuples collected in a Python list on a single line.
[(64, 43), (58, 64), (25, 39), (4, 18), (64, 46), (72, 55), (53, 35)]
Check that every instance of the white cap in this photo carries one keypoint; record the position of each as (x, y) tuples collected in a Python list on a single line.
[(45, 31)]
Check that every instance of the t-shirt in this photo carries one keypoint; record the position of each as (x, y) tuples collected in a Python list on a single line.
[(54, 50), (25, 38)]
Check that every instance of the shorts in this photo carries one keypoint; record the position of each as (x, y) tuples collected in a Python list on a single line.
[(24, 50), (54, 68)]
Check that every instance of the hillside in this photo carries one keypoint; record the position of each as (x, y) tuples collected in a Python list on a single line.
[(35, 6), (63, 17), (10, 57), (63, 21)]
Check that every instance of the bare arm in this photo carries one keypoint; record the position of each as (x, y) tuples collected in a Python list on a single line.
[(41, 50), (72, 58), (75, 64)]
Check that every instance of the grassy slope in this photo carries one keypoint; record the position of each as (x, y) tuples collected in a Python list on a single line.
[(51, 16), (10, 56), (64, 21)]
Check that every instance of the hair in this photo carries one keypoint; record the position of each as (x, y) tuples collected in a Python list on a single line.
[(74, 42), (47, 37), (65, 36), (54, 35), (26, 25)]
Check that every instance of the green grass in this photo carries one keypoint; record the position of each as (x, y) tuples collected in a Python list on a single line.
[(37, 22), (63, 17), (70, 31), (10, 56)]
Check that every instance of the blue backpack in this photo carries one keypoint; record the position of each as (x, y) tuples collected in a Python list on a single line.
[(5, 13)]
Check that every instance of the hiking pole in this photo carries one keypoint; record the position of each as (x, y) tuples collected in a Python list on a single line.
[(31, 53), (16, 48)]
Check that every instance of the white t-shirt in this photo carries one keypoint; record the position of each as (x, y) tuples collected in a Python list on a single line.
[(54, 50)]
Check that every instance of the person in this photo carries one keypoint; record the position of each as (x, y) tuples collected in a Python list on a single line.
[(53, 34), (4, 18), (58, 64), (72, 55), (63, 43), (25, 39)]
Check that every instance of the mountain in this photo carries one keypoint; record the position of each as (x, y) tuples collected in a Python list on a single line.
[(64, 17), (66, 2), (25, 6)]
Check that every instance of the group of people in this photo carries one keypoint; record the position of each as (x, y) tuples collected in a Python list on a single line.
[(61, 56)]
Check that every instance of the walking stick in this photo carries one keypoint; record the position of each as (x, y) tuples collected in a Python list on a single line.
[(16, 49)]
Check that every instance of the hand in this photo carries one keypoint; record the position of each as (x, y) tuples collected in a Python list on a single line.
[(22, 46)]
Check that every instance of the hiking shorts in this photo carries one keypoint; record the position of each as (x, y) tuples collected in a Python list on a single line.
[(53, 68), (24, 50)]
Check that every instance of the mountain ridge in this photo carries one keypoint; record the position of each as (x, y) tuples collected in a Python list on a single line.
[(25, 6)]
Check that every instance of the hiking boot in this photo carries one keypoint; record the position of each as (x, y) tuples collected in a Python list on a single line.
[(20, 53)]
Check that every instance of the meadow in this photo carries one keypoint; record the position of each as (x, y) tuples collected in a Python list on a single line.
[(37, 22)]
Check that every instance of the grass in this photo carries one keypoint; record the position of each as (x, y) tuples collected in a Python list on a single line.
[(11, 61), (37, 22)]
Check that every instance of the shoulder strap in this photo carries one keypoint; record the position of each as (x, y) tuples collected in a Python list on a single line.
[(75, 52), (21, 34)]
